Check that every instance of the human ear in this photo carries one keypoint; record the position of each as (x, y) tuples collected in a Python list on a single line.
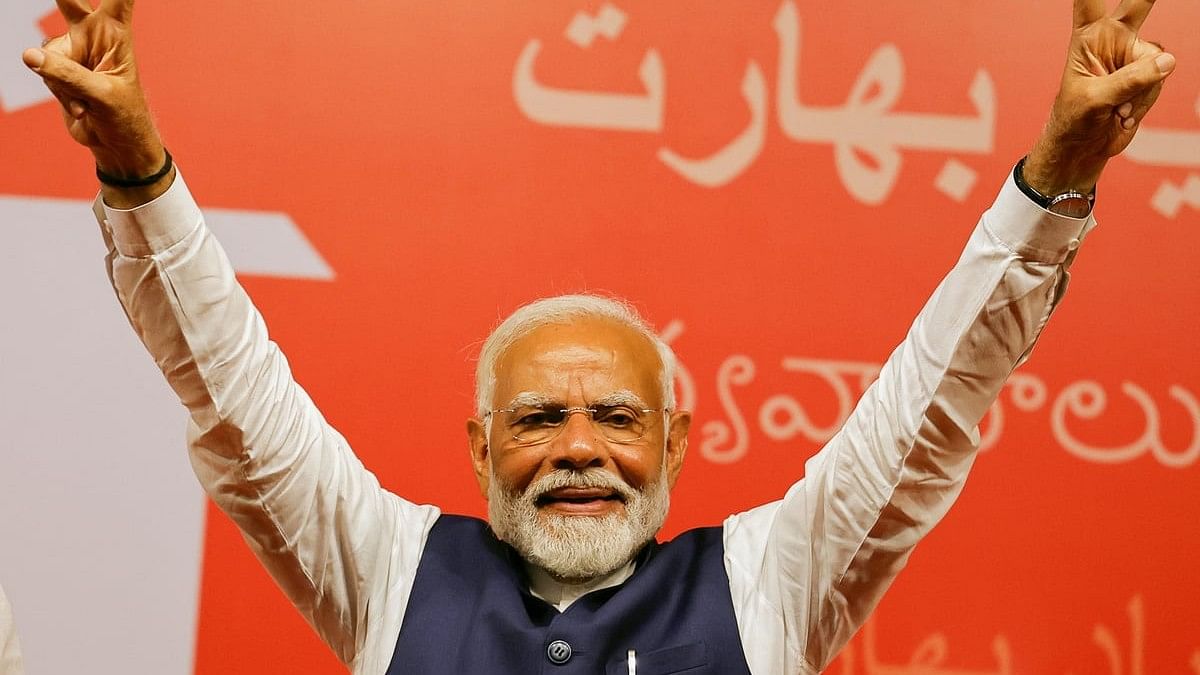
[(677, 441), (477, 440)]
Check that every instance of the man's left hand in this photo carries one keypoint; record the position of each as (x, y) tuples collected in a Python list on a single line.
[(1111, 80)]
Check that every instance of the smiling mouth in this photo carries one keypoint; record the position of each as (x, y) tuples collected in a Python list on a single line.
[(577, 496)]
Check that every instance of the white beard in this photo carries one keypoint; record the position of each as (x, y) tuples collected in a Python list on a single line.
[(577, 548)]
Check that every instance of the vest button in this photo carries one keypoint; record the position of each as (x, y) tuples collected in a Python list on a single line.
[(559, 652)]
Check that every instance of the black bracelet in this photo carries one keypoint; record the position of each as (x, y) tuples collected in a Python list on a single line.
[(1044, 201), (109, 179), (1031, 192)]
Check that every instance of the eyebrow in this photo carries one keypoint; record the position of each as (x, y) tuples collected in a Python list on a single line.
[(530, 399), (621, 397)]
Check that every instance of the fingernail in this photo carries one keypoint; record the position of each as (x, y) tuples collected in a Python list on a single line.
[(77, 109), (1165, 62), (34, 58), (1125, 109), (1128, 122)]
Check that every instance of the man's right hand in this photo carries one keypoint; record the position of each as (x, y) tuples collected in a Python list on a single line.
[(92, 72)]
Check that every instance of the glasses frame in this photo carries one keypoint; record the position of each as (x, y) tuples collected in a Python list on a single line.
[(591, 414)]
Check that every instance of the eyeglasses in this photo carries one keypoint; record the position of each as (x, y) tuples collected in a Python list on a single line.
[(530, 425)]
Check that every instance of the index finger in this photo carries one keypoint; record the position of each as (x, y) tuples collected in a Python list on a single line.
[(74, 11), (1088, 11), (1133, 13), (121, 10)]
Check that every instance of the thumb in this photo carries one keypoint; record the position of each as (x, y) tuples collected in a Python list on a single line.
[(1136, 78), (63, 74)]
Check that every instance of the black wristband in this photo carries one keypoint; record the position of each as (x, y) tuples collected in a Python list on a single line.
[(1019, 178), (1071, 203), (109, 179), (1038, 198)]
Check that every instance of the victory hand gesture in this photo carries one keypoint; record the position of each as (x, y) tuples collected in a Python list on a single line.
[(1111, 80), (92, 72)]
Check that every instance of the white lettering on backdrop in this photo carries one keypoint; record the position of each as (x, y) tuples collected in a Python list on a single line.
[(864, 126), (932, 655), (783, 417), (1170, 148)]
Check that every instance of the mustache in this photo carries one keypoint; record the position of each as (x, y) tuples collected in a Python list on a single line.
[(586, 478)]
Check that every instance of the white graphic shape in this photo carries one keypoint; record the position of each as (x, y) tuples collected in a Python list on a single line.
[(955, 180), (266, 244), (20, 88), (103, 519), (1170, 198), (608, 22)]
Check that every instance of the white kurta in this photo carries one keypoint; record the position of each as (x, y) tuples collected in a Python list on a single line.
[(804, 571), (10, 647)]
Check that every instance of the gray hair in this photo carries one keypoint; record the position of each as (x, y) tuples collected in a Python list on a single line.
[(560, 310)]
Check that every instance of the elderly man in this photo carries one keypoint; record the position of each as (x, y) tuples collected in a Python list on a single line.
[(576, 441)]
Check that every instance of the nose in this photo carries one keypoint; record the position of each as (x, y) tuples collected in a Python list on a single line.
[(579, 445)]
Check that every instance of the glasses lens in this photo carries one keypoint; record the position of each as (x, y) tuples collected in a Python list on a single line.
[(619, 424), (534, 425)]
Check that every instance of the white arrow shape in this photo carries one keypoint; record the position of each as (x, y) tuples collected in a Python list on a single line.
[(19, 30), (102, 521)]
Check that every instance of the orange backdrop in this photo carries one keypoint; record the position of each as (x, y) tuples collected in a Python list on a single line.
[(452, 160)]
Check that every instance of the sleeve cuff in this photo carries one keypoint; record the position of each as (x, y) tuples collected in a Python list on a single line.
[(1031, 231), (154, 226)]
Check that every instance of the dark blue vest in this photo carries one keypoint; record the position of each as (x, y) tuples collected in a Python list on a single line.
[(471, 613)]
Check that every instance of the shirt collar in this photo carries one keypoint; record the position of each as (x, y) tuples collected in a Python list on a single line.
[(561, 595)]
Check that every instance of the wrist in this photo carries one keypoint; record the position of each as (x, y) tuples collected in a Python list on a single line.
[(1054, 165), (139, 161), (131, 198), (1071, 203), (131, 193), (1051, 177)]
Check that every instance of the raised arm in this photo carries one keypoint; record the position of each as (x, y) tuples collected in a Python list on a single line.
[(807, 571), (343, 550)]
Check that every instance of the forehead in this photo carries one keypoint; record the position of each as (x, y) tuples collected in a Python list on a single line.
[(580, 361)]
